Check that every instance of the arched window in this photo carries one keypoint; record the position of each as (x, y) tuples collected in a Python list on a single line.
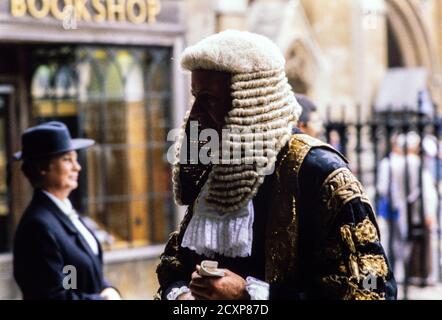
[(41, 82), (120, 97)]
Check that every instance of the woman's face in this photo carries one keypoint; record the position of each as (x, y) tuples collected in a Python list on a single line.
[(62, 173)]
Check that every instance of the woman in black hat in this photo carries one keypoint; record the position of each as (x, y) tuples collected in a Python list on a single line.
[(55, 255)]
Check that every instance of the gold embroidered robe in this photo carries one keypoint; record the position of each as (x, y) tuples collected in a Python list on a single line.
[(315, 233)]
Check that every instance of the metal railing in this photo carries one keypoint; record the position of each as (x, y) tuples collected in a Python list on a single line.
[(370, 141)]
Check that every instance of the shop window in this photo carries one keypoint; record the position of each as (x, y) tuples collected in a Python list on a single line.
[(120, 97), (4, 201)]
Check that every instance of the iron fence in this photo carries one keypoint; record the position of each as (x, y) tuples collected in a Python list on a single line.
[(408, 143)]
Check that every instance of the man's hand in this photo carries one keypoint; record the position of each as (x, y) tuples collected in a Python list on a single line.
[(110, 294), (229, 287)]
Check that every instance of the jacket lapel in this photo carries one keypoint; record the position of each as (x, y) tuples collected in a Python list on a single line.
[(43, 200), (100, 251), (70, 228), (86, 247)]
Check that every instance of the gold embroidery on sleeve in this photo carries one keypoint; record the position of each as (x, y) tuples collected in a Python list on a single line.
[(365, 232), (347, 237), (359, 294), (349, 288), (339, 188), (373, 265)]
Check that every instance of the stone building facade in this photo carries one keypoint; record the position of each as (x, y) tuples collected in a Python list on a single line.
[(337, 51)]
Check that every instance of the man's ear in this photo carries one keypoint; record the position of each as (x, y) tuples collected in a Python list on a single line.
[(302, 125)]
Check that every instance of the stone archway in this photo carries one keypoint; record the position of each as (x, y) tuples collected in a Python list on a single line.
[(411, 34), (412, 38)]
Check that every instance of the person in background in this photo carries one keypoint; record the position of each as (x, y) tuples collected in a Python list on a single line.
[(422, 272), (402, 165), (433, 161), (310, 121), (55, 255), (393, 228)]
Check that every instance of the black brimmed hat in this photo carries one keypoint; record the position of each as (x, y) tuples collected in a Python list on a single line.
[(47, 139)]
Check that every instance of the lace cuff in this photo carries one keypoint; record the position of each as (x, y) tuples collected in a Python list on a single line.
[(257, 289), (175, 292)]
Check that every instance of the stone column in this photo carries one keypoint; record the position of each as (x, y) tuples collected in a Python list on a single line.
[(231, 14), (332, 25), (437, 27), (200, 19), (431, 11), (352, 37), (370, 51)]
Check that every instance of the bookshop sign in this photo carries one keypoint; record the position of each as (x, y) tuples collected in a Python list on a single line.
[(132, 11)]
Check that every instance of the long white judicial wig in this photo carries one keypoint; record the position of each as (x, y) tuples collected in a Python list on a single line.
[(260, 122)]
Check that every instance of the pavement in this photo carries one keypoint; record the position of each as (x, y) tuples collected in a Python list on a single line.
[(418, 293)]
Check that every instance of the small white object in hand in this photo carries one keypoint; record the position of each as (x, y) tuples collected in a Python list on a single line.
[(209, 268)]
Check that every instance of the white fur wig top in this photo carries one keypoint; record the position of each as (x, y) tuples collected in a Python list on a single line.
[(235, 52), (260, 122)]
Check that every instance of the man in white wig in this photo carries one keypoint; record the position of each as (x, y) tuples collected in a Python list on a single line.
[(286, 219)]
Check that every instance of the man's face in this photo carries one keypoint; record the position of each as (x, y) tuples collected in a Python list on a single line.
[(213, 100), (314, 126)]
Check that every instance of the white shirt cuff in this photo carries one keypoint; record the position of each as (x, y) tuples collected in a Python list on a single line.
[(175, 292), (257, 289)]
